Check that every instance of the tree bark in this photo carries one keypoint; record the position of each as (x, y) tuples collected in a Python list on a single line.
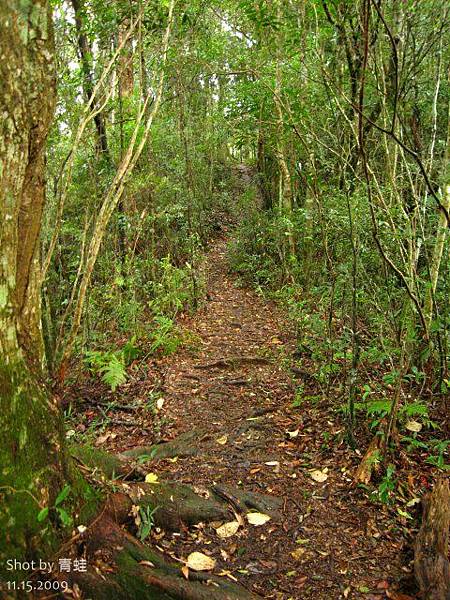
[(431, 564), (33, 463)]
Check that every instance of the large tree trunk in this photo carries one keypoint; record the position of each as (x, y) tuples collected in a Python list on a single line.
[(32, 464)]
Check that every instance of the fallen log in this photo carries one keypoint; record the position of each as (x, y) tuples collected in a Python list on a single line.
[(431, 564)]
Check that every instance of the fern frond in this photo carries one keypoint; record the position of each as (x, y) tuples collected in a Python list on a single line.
[(114, 372)]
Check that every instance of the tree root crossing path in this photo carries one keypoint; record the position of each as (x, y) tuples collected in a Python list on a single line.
[(249, 487)]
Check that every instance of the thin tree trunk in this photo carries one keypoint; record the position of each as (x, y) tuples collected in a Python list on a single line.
[(113, 196), (286, 197), (88, 80), (441, 233)]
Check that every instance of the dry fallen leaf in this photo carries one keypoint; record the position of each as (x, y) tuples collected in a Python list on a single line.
[(222, 440), (185, 571), (293, 434), (255, 470), (319, 476), (160, 403), (225, 573), (102, 439), (256, 519), (146, 563), (200, 562), (227, 529)]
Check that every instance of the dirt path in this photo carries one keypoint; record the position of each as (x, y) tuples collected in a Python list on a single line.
[(234, 386)]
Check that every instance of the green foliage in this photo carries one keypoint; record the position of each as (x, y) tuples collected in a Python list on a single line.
[(257, 252), (387, 485), (174, 290), (299, 398), (439, 450), (165, 336), (111, 365), (64, 517), (351, 260), (378, 409), (146, 521)]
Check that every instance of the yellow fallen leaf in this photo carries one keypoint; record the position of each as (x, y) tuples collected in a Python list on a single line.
[(256, 519), (319, 476), (414, 426), (297, 554), (200, 562), (227, 529), (222, 440), (151, 478)]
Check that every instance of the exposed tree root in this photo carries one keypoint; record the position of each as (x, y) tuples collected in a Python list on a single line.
[(185, 444), (124, 465), (176, 505), (242, 500), (126, 569), (431, 564), (132, 571), (109, 465), (233, 362)]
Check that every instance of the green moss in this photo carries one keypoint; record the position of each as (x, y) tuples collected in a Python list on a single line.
[(30, 472), (35, 469), (129, 578), (108, 464)]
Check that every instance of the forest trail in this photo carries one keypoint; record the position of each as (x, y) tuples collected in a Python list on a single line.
[(147, 397), (233, 388)]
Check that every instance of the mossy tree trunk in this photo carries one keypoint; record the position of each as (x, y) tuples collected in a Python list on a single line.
[(33, 467)]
